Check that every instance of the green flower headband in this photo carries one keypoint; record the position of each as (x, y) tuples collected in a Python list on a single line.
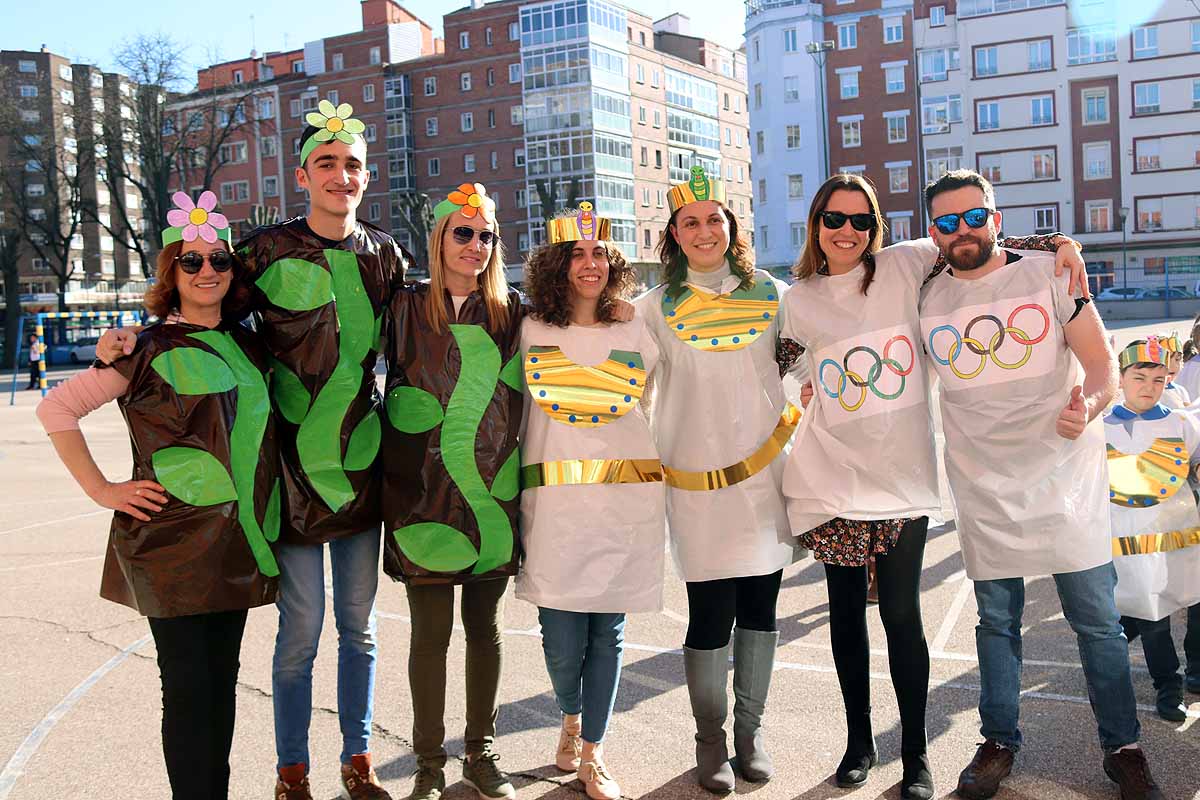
[(331, 123)]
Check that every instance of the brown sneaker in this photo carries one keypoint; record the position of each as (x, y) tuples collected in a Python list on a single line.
[(1128, 769), (360, 781), (981, 779), (292, 783)]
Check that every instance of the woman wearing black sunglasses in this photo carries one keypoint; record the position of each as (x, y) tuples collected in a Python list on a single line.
[(191, 542), (861, 480)]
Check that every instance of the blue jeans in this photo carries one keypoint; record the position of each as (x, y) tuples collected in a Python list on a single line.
[(1091, 610), (583, 656), (355, 563)]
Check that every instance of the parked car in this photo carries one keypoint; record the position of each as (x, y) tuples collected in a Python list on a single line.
[(1118, 293), (84, 350), (1161, 293)]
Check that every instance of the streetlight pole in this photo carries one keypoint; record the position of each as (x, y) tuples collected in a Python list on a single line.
[(1121, 215), (818, 50)]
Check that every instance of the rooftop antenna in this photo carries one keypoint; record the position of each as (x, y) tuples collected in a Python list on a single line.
[(253, 39)]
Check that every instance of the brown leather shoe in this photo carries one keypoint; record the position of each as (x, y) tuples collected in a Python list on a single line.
[(981, 779), (360, 780), (292, 783), (1129, 770)]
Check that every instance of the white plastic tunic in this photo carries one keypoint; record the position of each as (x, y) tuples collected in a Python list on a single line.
[(865, 450), (590, 547), (1028, 501), (1175, 396), (1155, 524), (713, 409), (1189, 377)]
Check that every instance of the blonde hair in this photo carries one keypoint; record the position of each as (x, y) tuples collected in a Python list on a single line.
[(491, 282)]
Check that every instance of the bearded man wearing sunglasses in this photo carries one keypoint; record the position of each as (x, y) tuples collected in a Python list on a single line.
[(1026, 470)]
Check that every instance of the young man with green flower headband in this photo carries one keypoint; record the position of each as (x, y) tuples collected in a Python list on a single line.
[(322, 284)]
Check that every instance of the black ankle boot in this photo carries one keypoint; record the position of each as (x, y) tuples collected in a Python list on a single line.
[(860, 755), (917, 783)]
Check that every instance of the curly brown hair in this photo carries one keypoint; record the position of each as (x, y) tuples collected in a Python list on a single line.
[(548, 284), (163, 297), (739, 255)]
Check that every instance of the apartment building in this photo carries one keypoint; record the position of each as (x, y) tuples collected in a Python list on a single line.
[(1085, 116)]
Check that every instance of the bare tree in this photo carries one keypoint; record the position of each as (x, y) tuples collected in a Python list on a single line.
[(416, 212), (548, 195), (12, 242)]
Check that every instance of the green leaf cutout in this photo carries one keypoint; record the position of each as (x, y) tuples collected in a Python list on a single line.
[(193, 370), (290, 395), (364, 443), (194, 476), (436, 547), (413, 410), (507, 482), (376, 337), (271, 520), (296, 284), (513, 373)]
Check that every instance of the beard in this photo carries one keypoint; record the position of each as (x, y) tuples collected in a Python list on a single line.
[(965, 261)]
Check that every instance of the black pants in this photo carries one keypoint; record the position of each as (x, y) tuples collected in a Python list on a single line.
[(198, 664), (899, 580), (714, 606), (35, 377)]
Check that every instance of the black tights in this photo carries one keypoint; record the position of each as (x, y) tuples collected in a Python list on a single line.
[(714, 606), (899, 576)]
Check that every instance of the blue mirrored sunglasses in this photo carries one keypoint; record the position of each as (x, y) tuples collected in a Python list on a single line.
[(974, 217)]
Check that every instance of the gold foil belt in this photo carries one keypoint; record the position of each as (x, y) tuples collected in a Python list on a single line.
[(1155, 542), (591, 470), (736, 473)]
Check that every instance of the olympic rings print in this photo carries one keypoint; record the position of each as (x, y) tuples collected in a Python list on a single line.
[(974, 345), (848, 377)]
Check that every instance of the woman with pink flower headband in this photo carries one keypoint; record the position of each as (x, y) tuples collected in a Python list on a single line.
[(191, 545)]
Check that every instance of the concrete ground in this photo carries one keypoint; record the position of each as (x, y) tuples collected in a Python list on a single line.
[(79, 692)]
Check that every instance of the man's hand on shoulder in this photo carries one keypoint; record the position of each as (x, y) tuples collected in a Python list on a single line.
[(116, 343)]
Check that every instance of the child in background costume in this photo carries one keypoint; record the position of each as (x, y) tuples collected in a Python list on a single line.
[(1152, 450), (451, 476), (593, 504), (191, 542), (1175, 394)]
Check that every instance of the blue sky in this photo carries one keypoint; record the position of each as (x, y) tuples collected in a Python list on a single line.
[(218, 30)]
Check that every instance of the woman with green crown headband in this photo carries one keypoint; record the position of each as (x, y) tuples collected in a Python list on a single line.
[(722, 423), (192, 540)]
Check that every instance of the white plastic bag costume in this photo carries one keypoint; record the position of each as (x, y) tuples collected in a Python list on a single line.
[(593, 506), (1028, 501), (722, 426), (1155, 524), (1175, 396), (865, 450)]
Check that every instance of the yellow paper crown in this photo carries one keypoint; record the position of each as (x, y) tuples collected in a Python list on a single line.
[(699, 187), (1151, 351), (583, 226)]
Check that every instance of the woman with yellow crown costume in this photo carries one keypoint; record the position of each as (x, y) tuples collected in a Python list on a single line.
[(593, 503), (721, 422)]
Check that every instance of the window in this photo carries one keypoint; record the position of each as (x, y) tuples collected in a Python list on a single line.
[(937, 16), (270, 186), (646, 196), (1043, 165), (940, 160), (1145, 98), (987, 116), (985, 62), (762, 190), (29, 91), (1045, 219), (65, 73), (514, 73), (237, 76), (519, 157), (791, 88), (729, 137), (1145, 41), (68, 99), (294, 107), (757, 54), (641, 115), (467, 121), (1149, 214), (760, 142), (373, 56), (1090, 45), (25, 65), (1148, 156), (338, 61), (494, 157), (368, 93), (762, 242), (233, 153), (464, 40), (798, 234), (793, 137), (491, 77), (1097, 161), (297, 66), (435, 167), (430, 86), (645, 157), (901, 228), (1095, 106), (469, 162), (1195, 93), (1041, 110), (758, 95), (268, 146), (893, 30), (522, 242), (1098, 215), (370, 133), (898, 179), (464, 81), (431, 126), (657, 118), (659, 195), (791, 42), (333, 96), (235, 191), (33, 115), (849, 84), (658, 160), (894, 78), (655, 78), (1040, 55), (989, 167), (852, 133), (514, 31), (646, 238), (516, 115), (487, 36), (848, 36), (521, 195), (795, 186), (897, 129), (935, 64)]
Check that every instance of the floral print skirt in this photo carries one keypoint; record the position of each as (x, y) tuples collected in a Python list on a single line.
[(850, 542)]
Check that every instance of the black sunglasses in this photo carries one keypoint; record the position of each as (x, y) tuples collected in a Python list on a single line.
[(974, 217), (836, 219), (192, 262), (464, 234)]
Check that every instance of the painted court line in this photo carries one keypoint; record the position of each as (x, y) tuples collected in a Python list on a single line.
[(49, 522), (951, 619), (51, 563)]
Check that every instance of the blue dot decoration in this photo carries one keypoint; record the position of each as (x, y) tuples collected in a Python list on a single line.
[(1112, 494), (1178, 462), (595, 418), (571, 418), (1178, 449), (766, 315), (714, 341), (671, 314), (533, 360), (537, 375), (613, 409), (628, 398), (1162, 491), (632, 365), (1174, 479), (633, 381), (770, 297), (753, 331), (542, 393), (736, 340), (679, 327), (694, 336), (554, 407)]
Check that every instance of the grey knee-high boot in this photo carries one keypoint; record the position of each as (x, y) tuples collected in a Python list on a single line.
[(707, 675), (753, 662)]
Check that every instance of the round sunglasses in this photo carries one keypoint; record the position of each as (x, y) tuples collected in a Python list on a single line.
[(192, 262), (974, 217), (465, 234), (833, 220)]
